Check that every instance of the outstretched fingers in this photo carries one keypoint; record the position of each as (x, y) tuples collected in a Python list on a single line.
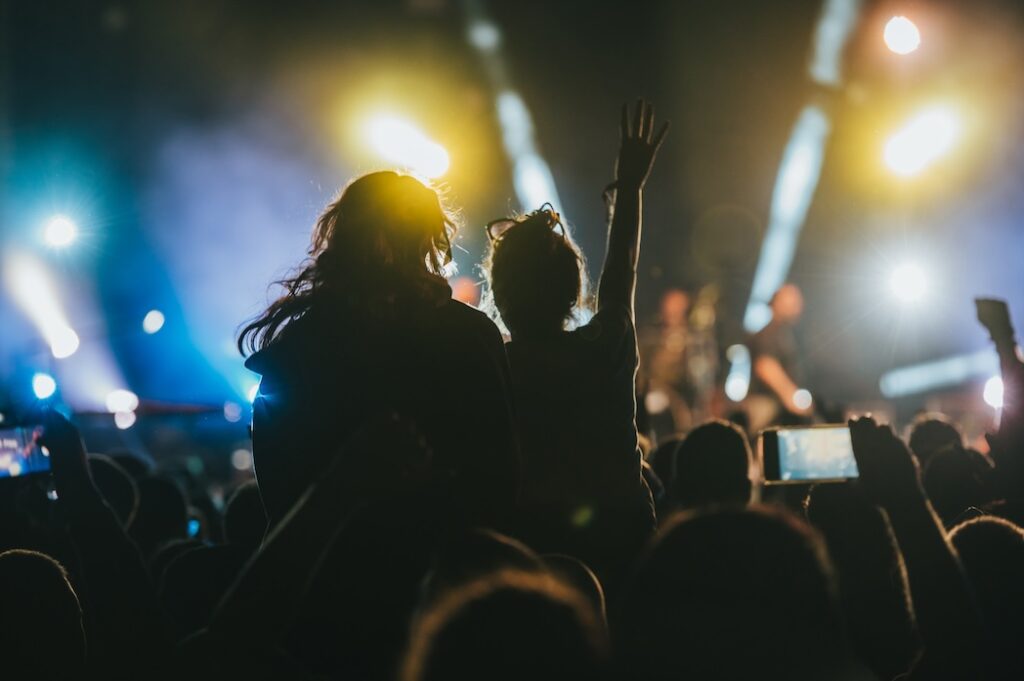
[(660, 137)]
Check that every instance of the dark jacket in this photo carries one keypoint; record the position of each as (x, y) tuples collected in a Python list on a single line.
[(441, 366)]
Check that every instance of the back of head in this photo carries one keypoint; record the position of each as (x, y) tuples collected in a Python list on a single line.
[(116, 485), (992, 552), (512, 626), (535, 275), (932, 433), (132, 464), (40, 617), (712, 466), (872, 576), (469, 555), (162, 513), (387, 237), (733, 594), (245, 520), (953, 479)]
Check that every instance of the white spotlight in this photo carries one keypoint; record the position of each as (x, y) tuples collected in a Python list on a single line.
[(60, 231), (253, 392), (43, 386), (924, 139), (124, 419), (153, 321), (908, 283), (802, 399), (398, 141), (901, 35), (993, 392), (483, 35), (241, 459), (122, 401)]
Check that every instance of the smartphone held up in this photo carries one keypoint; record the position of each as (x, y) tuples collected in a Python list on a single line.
[(807, 454), (21, 453)]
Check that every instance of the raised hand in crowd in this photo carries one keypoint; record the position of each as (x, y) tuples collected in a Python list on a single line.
[(947, 617), (124, 626), (638, 147)]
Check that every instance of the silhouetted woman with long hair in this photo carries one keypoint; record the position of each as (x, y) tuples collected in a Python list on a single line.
[(583, 492), (367, 327)]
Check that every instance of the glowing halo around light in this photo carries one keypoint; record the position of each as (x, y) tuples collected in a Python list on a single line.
[(901, 35)]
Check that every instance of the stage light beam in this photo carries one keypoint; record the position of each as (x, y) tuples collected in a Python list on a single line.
[(925, 138), (44, 386), (33, 289), (939, 373), (398, 141), (901, 35), (737, 382), (908, 283), (60, 231)]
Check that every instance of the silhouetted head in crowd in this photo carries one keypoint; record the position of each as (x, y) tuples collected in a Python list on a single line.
[(733, 594), (579, 576), (535, 273), (245, 521), (162, 514), (992, 552), (387, 236), (116, 486), (132, 464), (931, 433), (663, 459), (712, 466), (787, 304), (469, 555), (872, 578), (509, 626), (41, 634), (954, 479)]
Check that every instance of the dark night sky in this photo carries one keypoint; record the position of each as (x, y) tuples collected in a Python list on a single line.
[(110, 80)]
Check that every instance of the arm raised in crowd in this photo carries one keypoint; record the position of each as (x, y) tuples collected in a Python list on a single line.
[(946, 614), (637, 149), (119, 594), (1008, 442)]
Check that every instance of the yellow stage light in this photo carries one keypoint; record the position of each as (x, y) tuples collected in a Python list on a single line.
[(925, 138), (398, 141)]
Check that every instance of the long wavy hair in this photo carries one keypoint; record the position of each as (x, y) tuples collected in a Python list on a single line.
[(386, 237)]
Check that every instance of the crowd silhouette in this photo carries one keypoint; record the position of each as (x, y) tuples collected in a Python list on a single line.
[(433, 503)]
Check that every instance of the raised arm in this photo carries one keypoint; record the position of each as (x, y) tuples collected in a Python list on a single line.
[(946, 615), (637, 150), (1008, 442), (119, 595)]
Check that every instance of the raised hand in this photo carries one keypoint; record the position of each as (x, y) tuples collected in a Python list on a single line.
[(638, 147), (994, 315), (68, 459), (888, 471)]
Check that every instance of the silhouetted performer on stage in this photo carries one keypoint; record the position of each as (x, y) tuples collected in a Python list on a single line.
[(583, 492), (368, 327), (776, 364)]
